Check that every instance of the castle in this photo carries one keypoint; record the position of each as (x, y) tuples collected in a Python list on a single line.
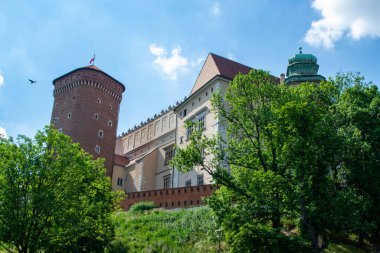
[(86, 106)]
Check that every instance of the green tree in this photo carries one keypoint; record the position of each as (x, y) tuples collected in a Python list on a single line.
[(358, 117), (288, 160), (246, 161), (53, 196)]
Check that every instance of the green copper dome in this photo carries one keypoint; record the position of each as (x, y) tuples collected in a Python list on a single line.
[(302, 68), (303, 58)]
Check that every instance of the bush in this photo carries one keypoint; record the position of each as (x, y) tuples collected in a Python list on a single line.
[(143, 206), (260, 238)]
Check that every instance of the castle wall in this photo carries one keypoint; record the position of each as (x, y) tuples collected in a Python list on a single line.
[(198, 106), (183, 197)]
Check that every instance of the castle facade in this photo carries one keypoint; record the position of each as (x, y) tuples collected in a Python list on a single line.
[(86, 107)]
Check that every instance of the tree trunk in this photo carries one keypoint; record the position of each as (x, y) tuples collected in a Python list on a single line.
[(309, 228)]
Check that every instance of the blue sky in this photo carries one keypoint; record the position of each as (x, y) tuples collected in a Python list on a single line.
[(156, 48)]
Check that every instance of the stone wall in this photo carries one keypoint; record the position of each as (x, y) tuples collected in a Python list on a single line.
[(182, 197)]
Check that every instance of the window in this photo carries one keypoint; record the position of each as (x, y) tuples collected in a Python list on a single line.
[(200, 179), (100, 134), (199, 99), (201, 120), (168, 155), (110, 106), (110, 123), (73, 97), (192, 104), (99, 101), (60, 130), (212, 89), (69, 115), (184, 113), (55, 120), (189, 132), (206, 93), (119, 181), (188, 183), (97, 149), (96, 116), (167, 182), (181, 139)]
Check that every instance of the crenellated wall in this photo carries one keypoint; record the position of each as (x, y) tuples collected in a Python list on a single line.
[(182, 197)]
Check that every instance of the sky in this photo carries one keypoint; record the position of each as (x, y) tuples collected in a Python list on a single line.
[(157, 48)]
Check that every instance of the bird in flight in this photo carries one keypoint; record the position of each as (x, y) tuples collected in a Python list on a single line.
[(32, 81)]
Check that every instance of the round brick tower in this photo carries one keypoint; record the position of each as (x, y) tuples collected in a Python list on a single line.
[(86, 107)]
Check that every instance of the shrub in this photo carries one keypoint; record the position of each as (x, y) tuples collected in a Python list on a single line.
[(143, 206)]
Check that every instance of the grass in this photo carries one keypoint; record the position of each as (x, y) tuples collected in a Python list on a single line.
[(182, 230)]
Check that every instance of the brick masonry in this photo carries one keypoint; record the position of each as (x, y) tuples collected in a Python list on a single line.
[(79, 96), (182, 197)]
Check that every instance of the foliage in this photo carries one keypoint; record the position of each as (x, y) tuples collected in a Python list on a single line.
[(185, 230), (53, 196), (142, 206), (358, 116), (305, 153)]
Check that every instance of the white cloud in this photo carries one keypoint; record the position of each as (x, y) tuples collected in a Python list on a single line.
[(1, 79), (355, 18), (170, 66), (157, 51), (215, 10), (3, 133)]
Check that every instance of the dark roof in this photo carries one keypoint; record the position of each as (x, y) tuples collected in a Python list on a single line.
[(92, 67), (216, 65), (229, 68)]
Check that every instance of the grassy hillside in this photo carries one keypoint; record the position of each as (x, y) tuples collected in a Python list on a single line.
[(183, 230)]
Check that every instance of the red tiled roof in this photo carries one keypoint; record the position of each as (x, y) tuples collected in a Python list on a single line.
[(217, 65), (229, 68), (120, 160)]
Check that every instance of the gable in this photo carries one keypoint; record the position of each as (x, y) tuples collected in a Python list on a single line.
[(208, 71), (216, 65)]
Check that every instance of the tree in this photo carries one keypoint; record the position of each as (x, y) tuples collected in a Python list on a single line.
[(358, 117), (53, 196), (245, 162), (288, 161)]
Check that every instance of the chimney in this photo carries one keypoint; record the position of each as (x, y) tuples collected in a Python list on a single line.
[(282, 78)]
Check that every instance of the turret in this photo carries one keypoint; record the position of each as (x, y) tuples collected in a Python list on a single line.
[(302, 68), (86, 107)]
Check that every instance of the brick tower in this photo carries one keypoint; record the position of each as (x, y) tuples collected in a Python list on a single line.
[(86, 107)]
